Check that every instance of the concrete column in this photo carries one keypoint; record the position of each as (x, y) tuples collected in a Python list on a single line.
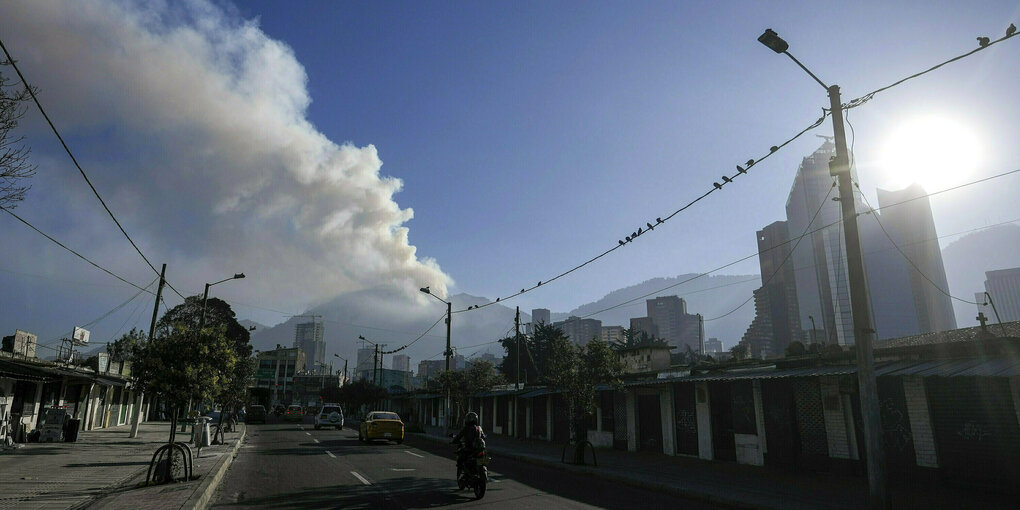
[(668, 423), (759, 415), (528, 417), (703, 413), (136, 419), (632, 439), (832, 413), (496, 427), (549, 418)]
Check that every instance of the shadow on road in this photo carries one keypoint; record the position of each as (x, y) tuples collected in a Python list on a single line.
[(405, 492)]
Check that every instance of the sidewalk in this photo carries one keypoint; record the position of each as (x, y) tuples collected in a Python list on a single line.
[(736, 485), (103, 469)]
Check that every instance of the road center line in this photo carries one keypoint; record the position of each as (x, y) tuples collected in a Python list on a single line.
[(308, 433), (330, 454), (362, 478), (415, 454), (316, 440)]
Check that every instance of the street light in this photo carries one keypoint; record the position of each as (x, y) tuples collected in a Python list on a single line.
[(205, 297), (448, 352), (864, 331), (345, 365)]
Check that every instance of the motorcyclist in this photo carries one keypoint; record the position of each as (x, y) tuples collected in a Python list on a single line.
[(468, 438)]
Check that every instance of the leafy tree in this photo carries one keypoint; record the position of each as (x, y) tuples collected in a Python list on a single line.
[(796, 348), (14, 165), (127, 347), (579, 371), (536, 353), (739, 351), (634, 338), (217, 314), (481, 377), (180, 368), (355, 395)]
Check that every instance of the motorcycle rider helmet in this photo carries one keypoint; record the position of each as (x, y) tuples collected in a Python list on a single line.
[(471, 419)]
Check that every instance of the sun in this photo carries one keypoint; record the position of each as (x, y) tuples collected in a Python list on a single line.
[(934, 151)]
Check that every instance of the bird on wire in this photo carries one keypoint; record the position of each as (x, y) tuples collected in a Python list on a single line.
[(983, 41)]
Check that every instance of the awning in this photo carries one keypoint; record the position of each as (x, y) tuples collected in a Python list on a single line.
[(21, 372), (541, 391), (109, 381)]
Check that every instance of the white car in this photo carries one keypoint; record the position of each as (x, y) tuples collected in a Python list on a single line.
[(329, 416)]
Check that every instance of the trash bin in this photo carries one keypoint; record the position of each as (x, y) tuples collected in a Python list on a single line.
[(71, 430), (202, 433)]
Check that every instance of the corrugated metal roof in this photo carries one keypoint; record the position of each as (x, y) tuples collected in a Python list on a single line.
[(952, 368)]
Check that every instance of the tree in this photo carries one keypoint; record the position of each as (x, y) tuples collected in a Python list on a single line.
[(15, 168), (127, 347), (634, 338), (580, 371), (796, 348), (481, 377), (536, 351), (739, 351), (355, 395), (217, 313)]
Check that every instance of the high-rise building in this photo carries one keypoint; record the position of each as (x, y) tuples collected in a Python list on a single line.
[(819, 260), (538, 316), (674, 324), (1004, 286), (778, 286), (308, 338), (431, 368), (644, 325), (759, 337), (911, 224), (401, 362), (713, 346), (611, 334), (580, 331), (366, 362)]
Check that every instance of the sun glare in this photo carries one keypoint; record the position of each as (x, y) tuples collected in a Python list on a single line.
[(934, 152)]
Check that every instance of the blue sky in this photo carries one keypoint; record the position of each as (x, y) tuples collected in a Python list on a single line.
[(528, 137)]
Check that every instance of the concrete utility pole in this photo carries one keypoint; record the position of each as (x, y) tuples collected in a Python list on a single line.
[(517, 366), (864, 331), (140, 398), (449, 351)]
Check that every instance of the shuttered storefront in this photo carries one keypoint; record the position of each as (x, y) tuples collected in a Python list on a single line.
[(538, 416), (781, 430), (720, 401), (561, 420), (686, 419), (976, 431), (814, 447), (896, 434), (620, 419)]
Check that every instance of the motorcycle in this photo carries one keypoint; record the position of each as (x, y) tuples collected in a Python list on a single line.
[(474, 472)]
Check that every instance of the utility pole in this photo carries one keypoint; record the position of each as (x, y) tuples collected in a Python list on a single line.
[(517, 365), (375, 361), (864, 331), (449, 354), (860, 308), (140, 398)]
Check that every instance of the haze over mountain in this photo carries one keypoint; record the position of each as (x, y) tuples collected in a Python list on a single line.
[(967, 259), (389, 317)]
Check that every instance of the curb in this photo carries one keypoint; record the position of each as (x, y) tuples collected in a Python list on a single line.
[(200, 499), (611, 477)]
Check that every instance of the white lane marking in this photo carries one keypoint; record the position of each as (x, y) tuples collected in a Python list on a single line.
[(415, 454), (330, 454), (316, 440), (401, 469), (308, 433), (362, 478)]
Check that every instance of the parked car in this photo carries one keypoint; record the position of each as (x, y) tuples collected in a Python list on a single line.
[(294, 413), (279, 410), (330, 416), (256, 414), (381, 425)]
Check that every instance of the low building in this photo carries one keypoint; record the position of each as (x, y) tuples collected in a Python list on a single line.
[(308, 387), (645, 359), (276, 371), (21, 343)]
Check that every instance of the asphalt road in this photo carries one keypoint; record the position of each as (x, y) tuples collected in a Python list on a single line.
[(290, 465)]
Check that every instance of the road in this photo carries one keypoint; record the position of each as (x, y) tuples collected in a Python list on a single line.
[(294, 466)]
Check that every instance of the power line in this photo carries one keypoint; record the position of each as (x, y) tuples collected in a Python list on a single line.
[(74, 160), (716, 186), (107, 314), (434, 324), (79, 255), (821, 204), (867, 97), (905, 257), (823, 227)]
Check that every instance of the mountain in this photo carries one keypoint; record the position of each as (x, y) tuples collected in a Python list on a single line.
[(252, 324), (967, 259), (711, 296), (395, 318)]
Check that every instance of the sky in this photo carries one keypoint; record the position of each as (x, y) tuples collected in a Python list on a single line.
[(324, 148)]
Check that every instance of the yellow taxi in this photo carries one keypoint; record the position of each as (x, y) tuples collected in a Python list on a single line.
[(381, 425)]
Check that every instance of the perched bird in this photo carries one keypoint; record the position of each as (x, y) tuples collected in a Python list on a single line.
[(658, 220), (497, 300), (522, 291), (727, 179), (749, 162), (621, 243), (774, 148), (539, 283), (649, 225), (639, 231), (1010, 30), (628, 239), (717, 185), (741, 169), (983, 41)]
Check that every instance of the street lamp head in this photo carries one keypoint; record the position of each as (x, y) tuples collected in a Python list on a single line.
[(425, 289), (238, 276), (360, 337), (771, 39)]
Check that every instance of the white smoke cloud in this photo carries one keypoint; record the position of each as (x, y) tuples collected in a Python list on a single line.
[(198, 131)]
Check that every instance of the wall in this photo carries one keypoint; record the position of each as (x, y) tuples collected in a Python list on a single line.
[(704, 416), (920, 422)]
